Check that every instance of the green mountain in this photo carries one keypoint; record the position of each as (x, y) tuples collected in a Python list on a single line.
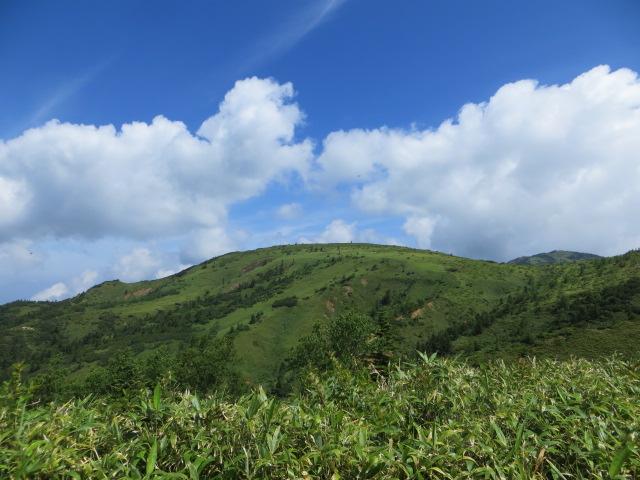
[(556, 256), (264, 301)]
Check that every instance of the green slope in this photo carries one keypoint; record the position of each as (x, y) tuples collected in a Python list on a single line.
[(268, 298)]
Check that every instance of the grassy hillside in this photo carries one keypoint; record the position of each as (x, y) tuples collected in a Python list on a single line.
[(266, 300)]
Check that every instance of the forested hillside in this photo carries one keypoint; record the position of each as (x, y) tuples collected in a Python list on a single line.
[(247, 319)]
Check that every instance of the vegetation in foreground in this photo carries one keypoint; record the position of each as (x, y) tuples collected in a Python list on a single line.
[(439, 419)]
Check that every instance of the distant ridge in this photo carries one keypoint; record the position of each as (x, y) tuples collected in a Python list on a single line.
[(556, 256)]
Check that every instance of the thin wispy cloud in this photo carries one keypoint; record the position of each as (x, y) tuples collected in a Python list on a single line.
[(317, 14), (65, 92), (288, 34)]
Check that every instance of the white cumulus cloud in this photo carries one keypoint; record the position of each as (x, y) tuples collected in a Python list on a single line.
[(206, 243), (54, 292), (290, 211), (535, 167), (61, 290), (140, 264), (339, 231), (84, 281), (149, 180), (421, 228)]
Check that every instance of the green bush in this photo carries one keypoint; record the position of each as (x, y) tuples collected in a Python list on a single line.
[(285, 302)]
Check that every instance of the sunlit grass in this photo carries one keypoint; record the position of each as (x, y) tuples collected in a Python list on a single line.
[(437, 419)]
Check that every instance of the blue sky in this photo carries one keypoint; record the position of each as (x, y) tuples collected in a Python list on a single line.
[(137, 138)]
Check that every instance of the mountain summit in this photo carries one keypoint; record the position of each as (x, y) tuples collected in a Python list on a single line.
[(555, 256)]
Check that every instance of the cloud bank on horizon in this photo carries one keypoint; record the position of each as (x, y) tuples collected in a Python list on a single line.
[(533, 168)]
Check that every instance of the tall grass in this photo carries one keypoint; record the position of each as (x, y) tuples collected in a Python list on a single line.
[(439, 419)]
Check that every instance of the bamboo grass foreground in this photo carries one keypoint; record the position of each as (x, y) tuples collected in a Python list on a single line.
[(439, 419)]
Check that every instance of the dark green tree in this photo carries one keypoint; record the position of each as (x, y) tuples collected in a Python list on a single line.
[(124, 372), (347, 338), (158, 365), (208, 364)]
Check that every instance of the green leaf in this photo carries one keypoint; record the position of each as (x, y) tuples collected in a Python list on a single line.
[(196, 403), (151, 458), (272, 440), (157, 397), (470, 464), (618, 461), (193, 472), (372, 470), (253, 406), (499, 434)]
